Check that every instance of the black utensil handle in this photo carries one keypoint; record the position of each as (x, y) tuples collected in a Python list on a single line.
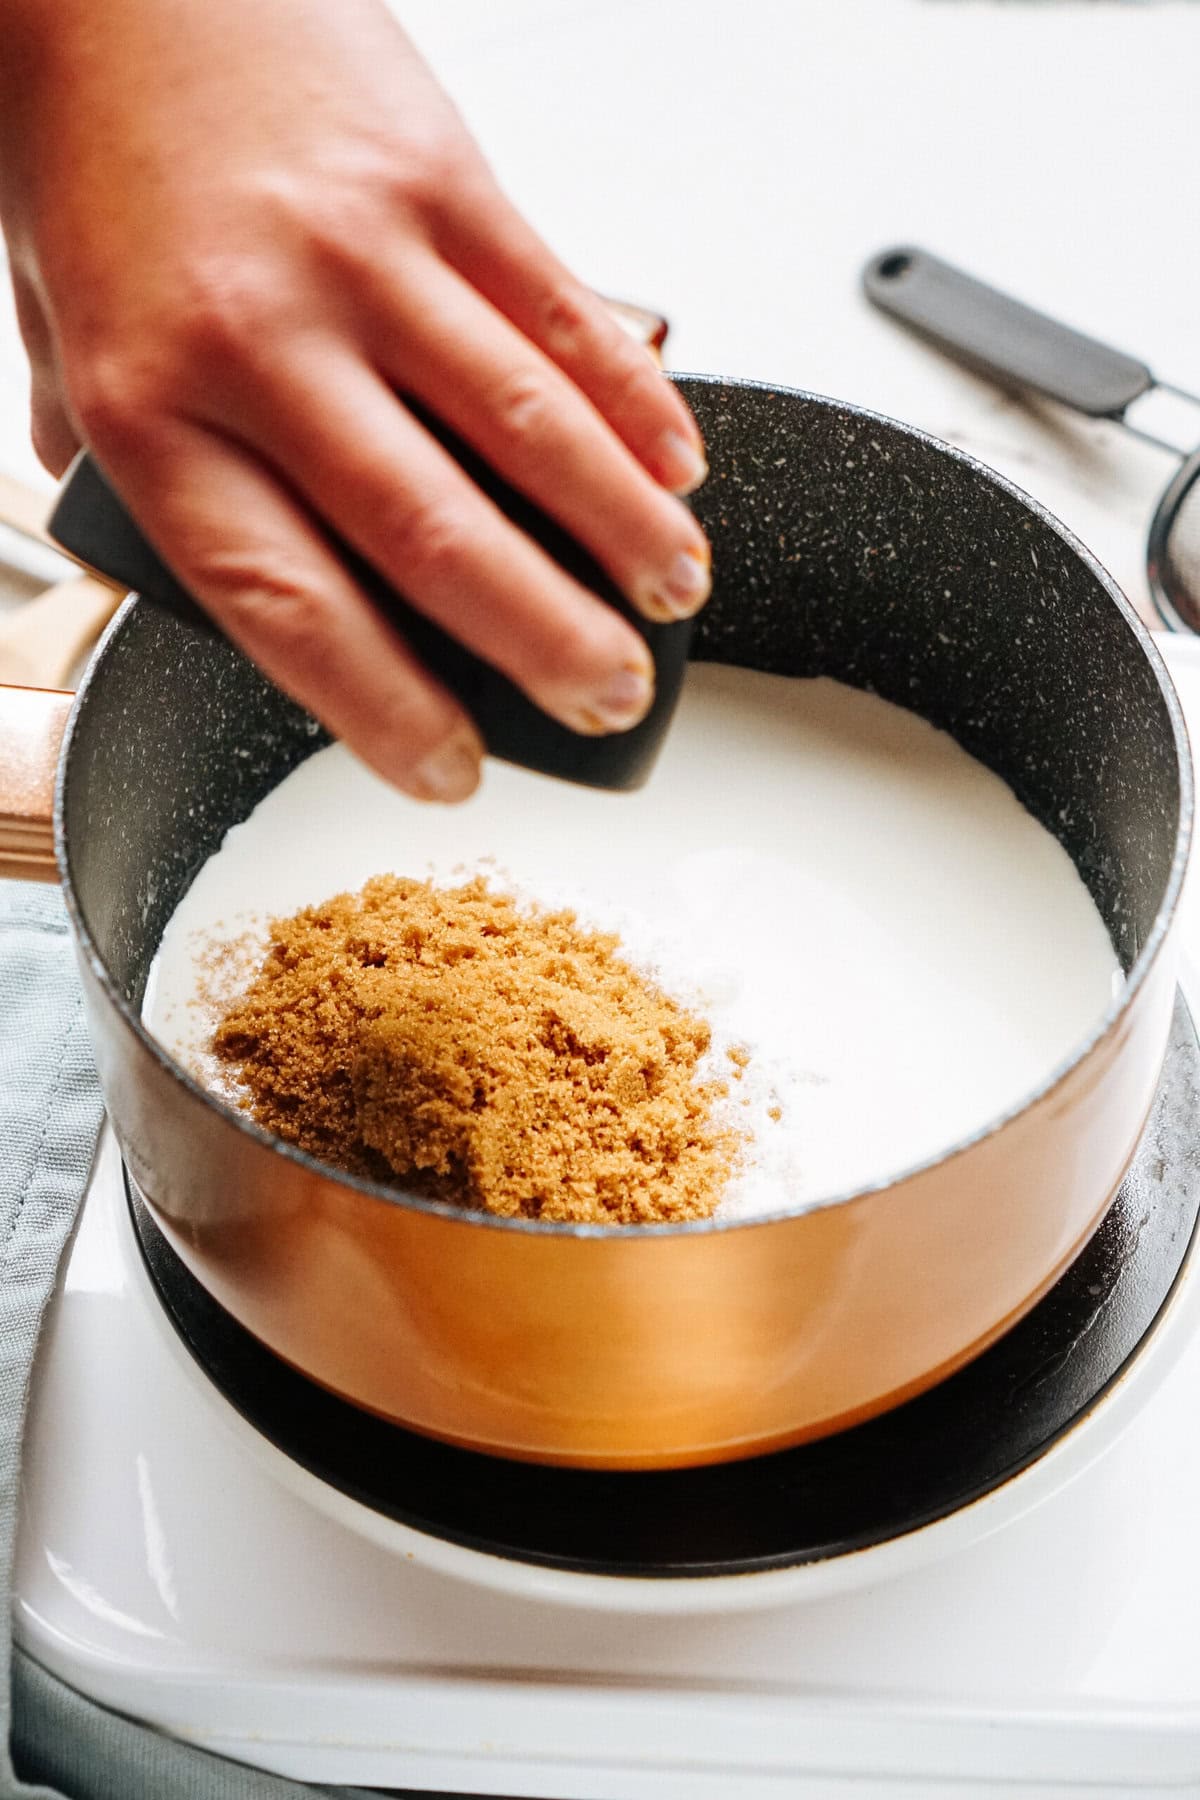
[(90, 521), (1001, 337)]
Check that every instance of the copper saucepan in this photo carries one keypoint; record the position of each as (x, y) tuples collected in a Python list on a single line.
[(844, 544)]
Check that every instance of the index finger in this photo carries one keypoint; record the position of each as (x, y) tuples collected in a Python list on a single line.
[(502, 256)]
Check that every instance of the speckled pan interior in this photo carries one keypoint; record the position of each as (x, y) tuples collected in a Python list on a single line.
[(844, 545)]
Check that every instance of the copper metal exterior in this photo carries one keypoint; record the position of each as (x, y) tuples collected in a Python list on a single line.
[(32, 721), (646, 1350), (676, 1345)]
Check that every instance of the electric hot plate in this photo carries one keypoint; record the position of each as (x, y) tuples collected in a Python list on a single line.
[(864, 1486)]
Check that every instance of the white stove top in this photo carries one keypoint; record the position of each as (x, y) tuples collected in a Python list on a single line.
[(176, 1566)]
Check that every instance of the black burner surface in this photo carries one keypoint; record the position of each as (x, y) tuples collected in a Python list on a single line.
[(917, 1463)]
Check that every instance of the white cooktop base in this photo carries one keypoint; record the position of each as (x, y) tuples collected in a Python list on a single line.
[(176, 1567)]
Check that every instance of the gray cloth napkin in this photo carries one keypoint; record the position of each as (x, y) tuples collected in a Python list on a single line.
[(54, 1743)]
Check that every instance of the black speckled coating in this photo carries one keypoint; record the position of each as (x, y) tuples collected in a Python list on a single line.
[(918, 1463), (843, 544), (179, 739)]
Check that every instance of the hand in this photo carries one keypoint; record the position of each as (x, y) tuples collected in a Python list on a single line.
[(240, 231)]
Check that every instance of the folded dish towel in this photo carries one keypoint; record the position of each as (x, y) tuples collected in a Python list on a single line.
[(54, 1743)]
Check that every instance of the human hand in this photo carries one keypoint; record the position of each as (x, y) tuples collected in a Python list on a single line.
[(239, 232)]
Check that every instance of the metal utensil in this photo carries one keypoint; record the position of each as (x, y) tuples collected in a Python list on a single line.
[(1003, 338)]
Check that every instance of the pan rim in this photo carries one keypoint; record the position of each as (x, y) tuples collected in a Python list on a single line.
[(1083, 1049)]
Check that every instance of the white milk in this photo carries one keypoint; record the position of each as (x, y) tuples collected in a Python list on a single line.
[(834, 883)]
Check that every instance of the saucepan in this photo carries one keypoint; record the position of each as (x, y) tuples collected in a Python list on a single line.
[(844, 544)]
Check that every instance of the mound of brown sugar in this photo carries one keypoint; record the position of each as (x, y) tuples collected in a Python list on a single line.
[(480, 1051)]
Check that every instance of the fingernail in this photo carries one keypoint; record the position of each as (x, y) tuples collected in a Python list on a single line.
[(684, 588), (451, 772), (681, 463), (626, 699)]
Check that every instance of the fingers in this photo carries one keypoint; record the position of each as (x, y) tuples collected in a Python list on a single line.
[(475, 371), (501, 256), (244, 547), (366, 465)]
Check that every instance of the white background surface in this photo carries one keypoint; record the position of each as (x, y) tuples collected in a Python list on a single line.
[(735, 165)]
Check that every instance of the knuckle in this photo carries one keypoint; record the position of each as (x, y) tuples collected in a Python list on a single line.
[(339, 223), (413, 717), (117, 399), (226, 307), (564, 325), (429, 168), (221, 311), (268, 603), (570, 656), (342, 240), (523, 406), (428, 540), (635, 384)]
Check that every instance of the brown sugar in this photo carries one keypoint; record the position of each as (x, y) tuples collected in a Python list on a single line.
[(472, 1049)]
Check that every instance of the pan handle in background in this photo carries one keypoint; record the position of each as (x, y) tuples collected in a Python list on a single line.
[(1001, 337), (23, 509), (32, 722), (33, 719)]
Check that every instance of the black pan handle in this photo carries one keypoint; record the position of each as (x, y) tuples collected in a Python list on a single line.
[(1001, 337), (91, 523)]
